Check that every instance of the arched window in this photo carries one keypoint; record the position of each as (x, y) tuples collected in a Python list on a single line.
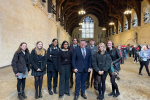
[(115, 30), (147, 15), (126, 25), (120, 29), (134, 21), (88, 28)]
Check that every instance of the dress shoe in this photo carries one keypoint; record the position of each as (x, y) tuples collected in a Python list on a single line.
[(20, 96), (111, 94), (140, 74), (76, 97), (84, 96), (116, 95), (24, 96), (60, 96), (36, 96), (99, 97), (68, 94), (50, 92), (40, 95)]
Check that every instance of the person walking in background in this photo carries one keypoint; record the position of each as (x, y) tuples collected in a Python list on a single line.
[(101, 63), (133, 51), (72, 49), (125, 51), (52, 66), (64, 68), (136, 52), (21, 67), (38, 62), (93, 49), (130, 50), (144, 60), (140, 47), (122, 59), (81, 61)]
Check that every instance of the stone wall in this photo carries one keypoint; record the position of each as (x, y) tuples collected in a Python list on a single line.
[(20, 21), (143, 31)]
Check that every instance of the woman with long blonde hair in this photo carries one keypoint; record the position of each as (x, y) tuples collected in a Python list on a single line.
[(101, 62), (38, 62)]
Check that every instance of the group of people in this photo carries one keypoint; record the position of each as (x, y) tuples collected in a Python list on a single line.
[(65, 61)]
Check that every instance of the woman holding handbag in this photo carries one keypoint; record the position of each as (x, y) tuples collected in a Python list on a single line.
[(21, 67), (101, 62), (115, 56)]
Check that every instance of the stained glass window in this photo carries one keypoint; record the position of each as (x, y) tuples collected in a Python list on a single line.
[(88, 28)]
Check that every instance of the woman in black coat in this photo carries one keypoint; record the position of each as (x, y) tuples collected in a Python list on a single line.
[(115, 56), (101, 62), (21, 67), (38, 62), (64, 67), (52, 65)]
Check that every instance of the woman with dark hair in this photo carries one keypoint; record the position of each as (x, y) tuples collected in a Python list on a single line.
[(21, 67), (64, 67), (115, 56), (101, 62), (52, 65), (38, 62)]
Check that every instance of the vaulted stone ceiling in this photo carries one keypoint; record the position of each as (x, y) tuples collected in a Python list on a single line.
[(104, 10)]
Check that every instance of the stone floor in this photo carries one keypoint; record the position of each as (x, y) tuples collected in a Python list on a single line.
[(131, 86)]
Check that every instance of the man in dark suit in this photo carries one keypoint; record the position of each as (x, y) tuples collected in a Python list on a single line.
[(82, 65), (72, 48), (93, 49)]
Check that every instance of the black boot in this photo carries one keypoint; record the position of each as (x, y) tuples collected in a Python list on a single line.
[(99, 97), (140, 74), (36, 96), (111, 94), (24, 96), (118, 78), (50, 92), (40, 95), (149, 74), (55, 91), (116, 95), (68, 94), (20, 96)]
